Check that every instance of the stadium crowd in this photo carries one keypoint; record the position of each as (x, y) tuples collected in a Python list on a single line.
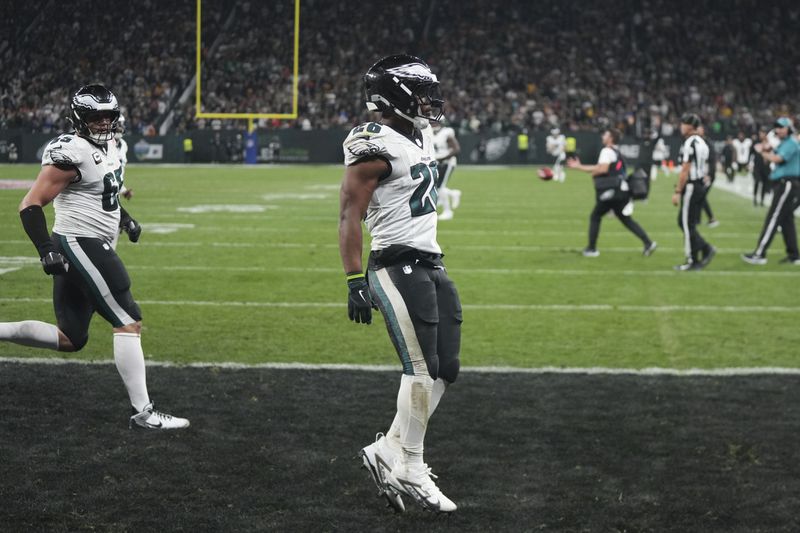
[(581, 65)]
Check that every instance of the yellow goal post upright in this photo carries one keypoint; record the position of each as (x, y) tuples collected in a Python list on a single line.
[(250, 117)]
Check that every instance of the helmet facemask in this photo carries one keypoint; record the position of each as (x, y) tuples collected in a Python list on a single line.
[(93, 104)]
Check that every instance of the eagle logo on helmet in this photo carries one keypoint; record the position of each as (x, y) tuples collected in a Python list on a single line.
[(402, 84)]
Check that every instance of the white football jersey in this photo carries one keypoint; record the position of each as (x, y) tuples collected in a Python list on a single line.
[(660, 150), (742, 148), (441, 146), (402, 210), (556, 144), (122, 149), (88, 206)]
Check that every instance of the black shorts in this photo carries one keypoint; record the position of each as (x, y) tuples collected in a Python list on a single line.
[(96, 282), (445, 171), (423, 315)]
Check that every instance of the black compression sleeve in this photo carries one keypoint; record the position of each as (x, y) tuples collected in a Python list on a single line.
[(123, 215), (36, 227)]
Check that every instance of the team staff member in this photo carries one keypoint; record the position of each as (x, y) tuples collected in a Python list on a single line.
[(728, 158), (388, 182), (761, 168), (785, 179), (82, 174), (709, 177), (611, 192), (690, 194)]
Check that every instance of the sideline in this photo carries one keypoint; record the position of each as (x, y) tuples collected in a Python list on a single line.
[(650, 371), (481, 307)]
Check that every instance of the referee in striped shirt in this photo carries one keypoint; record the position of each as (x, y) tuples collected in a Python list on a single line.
[(690, 194)]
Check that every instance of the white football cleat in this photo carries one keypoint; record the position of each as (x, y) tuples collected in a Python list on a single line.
[(446, 215), (149, 418), (455, 198), (378, 459), (415, 481)]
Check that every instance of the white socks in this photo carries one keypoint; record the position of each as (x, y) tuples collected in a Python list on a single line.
[(30, 333), (417, 399), (439, 386), (444, 199), (129, 359)]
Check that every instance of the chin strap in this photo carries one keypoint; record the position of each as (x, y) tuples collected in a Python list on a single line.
[(418, 122)]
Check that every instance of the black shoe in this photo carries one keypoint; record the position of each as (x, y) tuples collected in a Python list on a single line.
[(790, 260), (650, 248), (685, 267), (754, 259), (708, 257)]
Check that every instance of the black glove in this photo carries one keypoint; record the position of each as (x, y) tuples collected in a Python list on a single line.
[(359, 301), (131, 227), (54, 263)]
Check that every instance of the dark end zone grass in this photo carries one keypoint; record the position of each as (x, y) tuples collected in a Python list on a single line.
[(275, 450)]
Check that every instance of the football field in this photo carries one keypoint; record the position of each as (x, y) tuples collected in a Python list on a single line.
[(241, 264), (598, 394)]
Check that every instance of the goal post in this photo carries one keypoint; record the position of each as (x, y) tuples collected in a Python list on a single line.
[(249, 116)]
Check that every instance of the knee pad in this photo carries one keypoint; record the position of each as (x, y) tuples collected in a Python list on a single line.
[(78, 340), (433, 366), (449, 371)]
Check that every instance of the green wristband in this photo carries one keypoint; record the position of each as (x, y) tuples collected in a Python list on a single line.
[(354, 275)]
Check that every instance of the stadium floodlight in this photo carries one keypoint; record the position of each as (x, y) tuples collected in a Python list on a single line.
[(199, 113)]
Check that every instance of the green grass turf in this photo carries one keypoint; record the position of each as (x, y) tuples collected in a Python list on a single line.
[(208, 292)]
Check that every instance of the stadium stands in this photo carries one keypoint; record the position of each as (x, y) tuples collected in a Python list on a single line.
[(582, 65)]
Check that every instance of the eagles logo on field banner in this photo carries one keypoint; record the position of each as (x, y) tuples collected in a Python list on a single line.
[(360, 148)]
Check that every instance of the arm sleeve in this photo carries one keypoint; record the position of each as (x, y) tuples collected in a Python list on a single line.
[(35, 225)]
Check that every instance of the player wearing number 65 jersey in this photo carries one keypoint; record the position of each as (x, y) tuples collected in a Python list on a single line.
[(389, 182), (81, 175)]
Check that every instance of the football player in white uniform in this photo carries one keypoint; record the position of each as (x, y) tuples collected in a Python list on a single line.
[(742, 147), (556, 146), (447, 148), (660, 155), (81, 174), (389, 181), (122, 150)]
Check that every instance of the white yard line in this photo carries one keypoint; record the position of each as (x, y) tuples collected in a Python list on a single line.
[(653, 371), (459, 271), (479, 307), (332, 245)]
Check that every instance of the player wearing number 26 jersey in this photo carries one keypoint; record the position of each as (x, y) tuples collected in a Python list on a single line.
[(390, 182), (81, 175), (402, 210)]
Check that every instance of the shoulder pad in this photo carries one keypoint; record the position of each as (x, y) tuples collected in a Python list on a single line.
[(63, 150), (366, 140)]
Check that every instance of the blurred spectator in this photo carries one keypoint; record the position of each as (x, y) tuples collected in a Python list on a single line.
[(505, 66)]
